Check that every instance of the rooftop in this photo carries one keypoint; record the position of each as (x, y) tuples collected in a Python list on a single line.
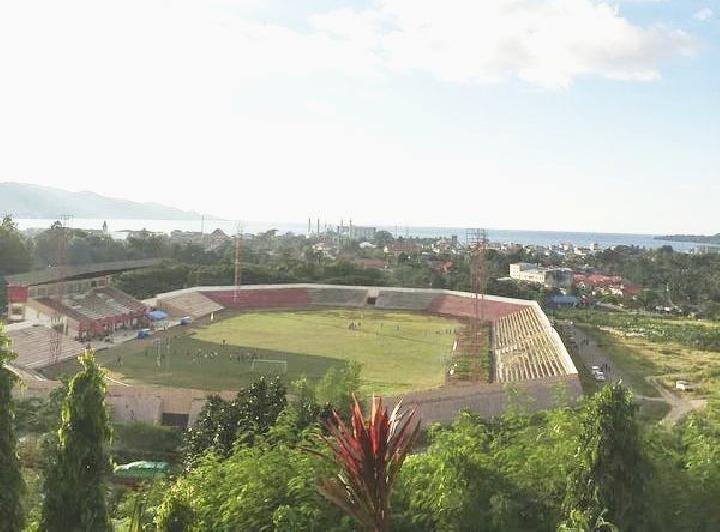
[(53, 274)]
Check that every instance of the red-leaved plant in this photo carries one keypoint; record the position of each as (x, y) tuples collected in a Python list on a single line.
[(370, 456)]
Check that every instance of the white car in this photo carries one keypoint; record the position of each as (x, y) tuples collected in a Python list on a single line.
[(600, 376)]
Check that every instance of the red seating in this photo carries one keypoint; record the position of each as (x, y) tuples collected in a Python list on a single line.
[(465, 307), (249, 298)]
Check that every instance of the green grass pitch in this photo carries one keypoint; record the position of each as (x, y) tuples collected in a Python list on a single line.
[(399, 351)]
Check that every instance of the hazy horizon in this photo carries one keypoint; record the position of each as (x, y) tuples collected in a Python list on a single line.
[(557, 115)]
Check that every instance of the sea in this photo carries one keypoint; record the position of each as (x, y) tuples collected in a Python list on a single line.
[(544, 238)]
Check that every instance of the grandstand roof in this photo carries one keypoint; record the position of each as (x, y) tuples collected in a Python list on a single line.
[(52, 274)]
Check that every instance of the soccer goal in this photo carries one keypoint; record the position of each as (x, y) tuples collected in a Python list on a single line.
[(269, 366)]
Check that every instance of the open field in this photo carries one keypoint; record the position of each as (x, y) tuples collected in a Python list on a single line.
[(643, 346), (399, 351)]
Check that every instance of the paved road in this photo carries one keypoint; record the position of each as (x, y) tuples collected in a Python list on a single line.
[(589, 352)]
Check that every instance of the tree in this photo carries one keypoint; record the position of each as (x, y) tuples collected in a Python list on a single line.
[(14, 254), (611, 470), (370, 457), (263, 487), (76, 478), (338, 386), (382, 238), (221, 423), (11, 481)]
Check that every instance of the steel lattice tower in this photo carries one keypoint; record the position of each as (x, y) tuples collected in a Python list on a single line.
[(56, 320), (476, 241)]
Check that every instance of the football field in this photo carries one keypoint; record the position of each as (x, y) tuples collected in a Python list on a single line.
[(399, 351)]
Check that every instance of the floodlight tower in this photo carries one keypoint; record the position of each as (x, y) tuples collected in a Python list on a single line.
[(56, 320), (476, 241)]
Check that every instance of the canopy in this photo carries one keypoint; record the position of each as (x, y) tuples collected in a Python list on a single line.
[(157, 315), (142, 469)]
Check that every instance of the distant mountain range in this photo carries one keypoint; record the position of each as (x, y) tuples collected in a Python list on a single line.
[(695, 239), (34, 201)]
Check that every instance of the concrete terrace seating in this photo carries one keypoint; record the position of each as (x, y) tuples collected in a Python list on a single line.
[(402, 300), (192, 304), (98, 304), (54, 304), (32, 345), (126, 301), (524, 349), (464, 307), (338, 297), (259, 298)]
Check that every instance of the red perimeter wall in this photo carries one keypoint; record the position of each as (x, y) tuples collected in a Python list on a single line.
[(261, 298), (464, 307)]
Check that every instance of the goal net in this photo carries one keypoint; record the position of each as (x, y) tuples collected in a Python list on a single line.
[(269, 366)]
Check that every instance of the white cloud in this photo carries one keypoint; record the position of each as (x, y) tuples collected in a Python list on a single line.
[(703, 14), (544, 42), (214, 106)]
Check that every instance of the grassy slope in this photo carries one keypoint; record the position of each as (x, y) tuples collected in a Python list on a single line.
[(638, 357), (399, 351)]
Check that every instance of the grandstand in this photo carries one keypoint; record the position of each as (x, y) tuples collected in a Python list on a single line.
[(97, 312), (192, 304), (338, 296), (260, 297), (32, 346), (405, 299), (491, 307), (523, 348)]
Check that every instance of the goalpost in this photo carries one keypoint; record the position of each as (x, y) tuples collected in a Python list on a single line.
[(273, 366)]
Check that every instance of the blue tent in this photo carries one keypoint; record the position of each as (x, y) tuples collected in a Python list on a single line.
[(564, 300), (157, 315)]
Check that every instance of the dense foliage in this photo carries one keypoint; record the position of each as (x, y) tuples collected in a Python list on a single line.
[(11, 482), (264, 487), (590, 467), (221, 423), (673, 279), (75, 484), (661, 330), (610, 471)]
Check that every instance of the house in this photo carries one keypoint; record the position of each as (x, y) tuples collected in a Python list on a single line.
[(398, 248), (535, 273)]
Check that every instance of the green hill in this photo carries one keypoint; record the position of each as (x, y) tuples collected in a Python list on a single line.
[(34, 201)]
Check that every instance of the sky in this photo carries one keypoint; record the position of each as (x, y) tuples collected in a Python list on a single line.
[(577, 115)]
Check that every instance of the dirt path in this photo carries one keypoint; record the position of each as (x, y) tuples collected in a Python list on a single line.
[(679, 406)]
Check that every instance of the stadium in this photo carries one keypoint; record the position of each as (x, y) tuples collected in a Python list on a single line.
[(426, 345)]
